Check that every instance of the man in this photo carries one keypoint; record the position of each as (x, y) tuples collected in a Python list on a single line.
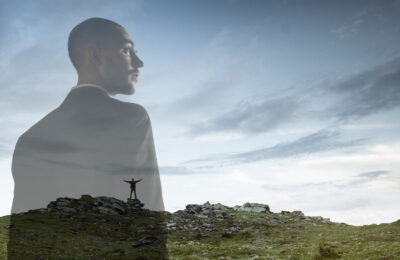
[(91, 140), (133, 187)]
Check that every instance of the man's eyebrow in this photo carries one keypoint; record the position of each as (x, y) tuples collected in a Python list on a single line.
[(131, 43), (128, 41)]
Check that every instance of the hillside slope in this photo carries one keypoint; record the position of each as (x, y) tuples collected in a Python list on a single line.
[(106, 228)]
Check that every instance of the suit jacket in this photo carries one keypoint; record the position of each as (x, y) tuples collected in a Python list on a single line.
[(87, 146)]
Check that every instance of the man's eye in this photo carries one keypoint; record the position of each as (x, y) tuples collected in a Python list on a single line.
[(126, 51)]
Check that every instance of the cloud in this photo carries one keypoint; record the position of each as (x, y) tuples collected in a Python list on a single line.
[(373, 174), (176, 170), (214, 81), (359, 179), (334, 101), (367, 93), (249, 118), (320, 141), (42, 145), (372, 17), (367, 177), (352, 27)]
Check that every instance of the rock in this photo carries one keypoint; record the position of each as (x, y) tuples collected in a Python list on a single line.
[(120, 209), (206, 205), (207, 225), (67, 210), (234, 228), (105, 210), (97, 203), (219, 206), (318, 218), (298, 213), (219, 215), (135, 204), (207, 212), (253, 207), (193, 209), (10, 226), (147, 241), (201, 216), (86, 197), (326, 220), (64, 201), (171, 225)]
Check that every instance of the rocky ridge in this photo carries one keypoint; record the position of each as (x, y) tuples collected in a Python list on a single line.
[(208, 231), (66, 206), (204, 218), (201, 218)]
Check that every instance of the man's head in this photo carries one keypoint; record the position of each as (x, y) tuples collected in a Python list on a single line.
[(103, 53)]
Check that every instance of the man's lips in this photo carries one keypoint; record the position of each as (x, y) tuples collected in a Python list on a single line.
[(135, 73)]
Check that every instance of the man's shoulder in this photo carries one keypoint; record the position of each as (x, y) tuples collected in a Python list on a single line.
[(130, 109), (40, 127), (130, 105)]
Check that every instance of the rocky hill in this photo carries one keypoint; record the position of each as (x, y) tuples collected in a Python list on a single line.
[(107, 228)]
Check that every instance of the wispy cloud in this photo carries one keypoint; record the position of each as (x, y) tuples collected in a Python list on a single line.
[(320, 141), (176, 170), (369, 92), (333, 101), (373, 15), (359, 179), (250, 118), (373, 174), (350, 29)]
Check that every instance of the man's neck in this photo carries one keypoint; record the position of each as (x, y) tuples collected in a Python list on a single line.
[(91, 78), (79, 85)]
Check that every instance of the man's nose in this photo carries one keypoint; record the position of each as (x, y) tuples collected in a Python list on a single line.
[(136, 62)]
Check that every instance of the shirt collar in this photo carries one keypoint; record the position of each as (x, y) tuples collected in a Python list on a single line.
[(90, 85)]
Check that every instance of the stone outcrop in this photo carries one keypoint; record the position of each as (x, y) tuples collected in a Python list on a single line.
[(104, 205), (201, 218), (253, 207), (208, 210)]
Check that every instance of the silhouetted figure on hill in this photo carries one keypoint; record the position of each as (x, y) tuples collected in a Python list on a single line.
[(133, 187)]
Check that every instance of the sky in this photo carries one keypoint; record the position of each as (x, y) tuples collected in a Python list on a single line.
[(293, 104)]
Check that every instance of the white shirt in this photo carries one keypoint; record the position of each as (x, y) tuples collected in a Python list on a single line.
[(91, 85)]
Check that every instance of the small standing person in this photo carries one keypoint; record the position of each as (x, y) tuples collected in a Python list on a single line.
[(133, 186)]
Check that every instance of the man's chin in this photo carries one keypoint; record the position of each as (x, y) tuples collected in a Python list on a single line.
[(131, 90), (128, 90)]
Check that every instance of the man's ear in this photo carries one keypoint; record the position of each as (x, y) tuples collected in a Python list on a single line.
[(95, 54)]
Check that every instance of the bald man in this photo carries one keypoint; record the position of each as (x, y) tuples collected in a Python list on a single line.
[(92, 140)]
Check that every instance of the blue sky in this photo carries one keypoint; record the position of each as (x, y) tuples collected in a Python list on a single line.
[(294, 104)]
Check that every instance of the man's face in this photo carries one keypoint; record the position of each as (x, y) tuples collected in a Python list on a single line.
[(120, 67)]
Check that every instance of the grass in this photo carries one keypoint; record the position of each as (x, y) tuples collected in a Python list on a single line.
[(261, 236)]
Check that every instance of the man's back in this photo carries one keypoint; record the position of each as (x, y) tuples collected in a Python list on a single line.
[(86, 146)]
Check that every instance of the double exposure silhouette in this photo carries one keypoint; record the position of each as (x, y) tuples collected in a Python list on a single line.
[(92, 141)]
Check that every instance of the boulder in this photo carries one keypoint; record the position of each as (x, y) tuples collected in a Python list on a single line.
[(193, 209), (105, 210), (67, 210), (253, 207)]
